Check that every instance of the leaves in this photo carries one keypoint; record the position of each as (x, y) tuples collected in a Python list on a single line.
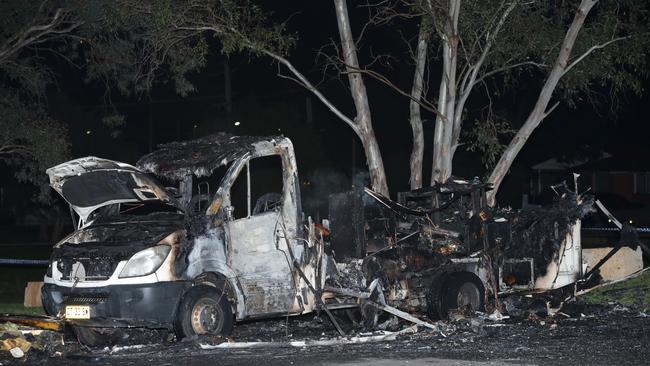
[(30, 141), (132, 45), (489, 136)]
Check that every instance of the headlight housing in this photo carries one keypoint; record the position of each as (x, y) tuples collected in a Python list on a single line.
[(145, 262)]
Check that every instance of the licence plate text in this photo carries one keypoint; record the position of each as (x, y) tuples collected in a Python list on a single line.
[(77, 312)]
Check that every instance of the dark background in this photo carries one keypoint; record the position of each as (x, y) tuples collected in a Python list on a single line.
[(328, 153)]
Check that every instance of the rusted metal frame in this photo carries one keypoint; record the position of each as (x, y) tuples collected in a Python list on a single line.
[(364, 297), (401, 314), (317, 294)]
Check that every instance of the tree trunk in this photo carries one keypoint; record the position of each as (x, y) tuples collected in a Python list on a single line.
[(468, 79), (363, 119), (443, 134), (540, 111), (417, 153)]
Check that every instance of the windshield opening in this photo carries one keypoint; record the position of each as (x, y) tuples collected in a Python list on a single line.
[(205, 188)]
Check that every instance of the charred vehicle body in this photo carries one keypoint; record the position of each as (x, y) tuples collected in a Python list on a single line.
[(442, 248), (183, 257), (224, 239)]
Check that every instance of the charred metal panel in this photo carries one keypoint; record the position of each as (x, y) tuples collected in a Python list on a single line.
[(94, 252), (200, 157), (518, 274), (261, 267), (346, 217), (359, 225), (540, 232), (90, 183), (208, 254), (567, 267), (448, 228)]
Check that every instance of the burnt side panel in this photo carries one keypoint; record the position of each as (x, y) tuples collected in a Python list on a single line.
[(347, 225)]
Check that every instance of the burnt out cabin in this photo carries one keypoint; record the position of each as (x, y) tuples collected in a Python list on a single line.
[(447, 219)]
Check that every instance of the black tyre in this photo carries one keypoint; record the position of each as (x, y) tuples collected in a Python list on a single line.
[(95, 337), (204, 310), (461, 290)]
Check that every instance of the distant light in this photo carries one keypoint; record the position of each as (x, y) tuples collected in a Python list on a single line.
[(88, 132), (195, 126), (279, 130), (631, 222), (610, 220), (237, 123)]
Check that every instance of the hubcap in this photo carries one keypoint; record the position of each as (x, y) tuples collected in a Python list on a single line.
[(469, 294), (207, 317)]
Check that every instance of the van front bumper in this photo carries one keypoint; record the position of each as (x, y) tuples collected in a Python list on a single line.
[(151, 305)]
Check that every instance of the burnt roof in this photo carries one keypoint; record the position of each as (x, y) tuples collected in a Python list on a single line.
[(201, 156)]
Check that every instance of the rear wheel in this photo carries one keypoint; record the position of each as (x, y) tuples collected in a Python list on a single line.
[(459, 291), (204, 310)]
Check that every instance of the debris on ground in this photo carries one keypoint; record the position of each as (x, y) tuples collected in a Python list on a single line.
[(20, 341)]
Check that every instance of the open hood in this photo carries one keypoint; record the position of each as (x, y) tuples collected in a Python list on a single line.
[(90, 183)]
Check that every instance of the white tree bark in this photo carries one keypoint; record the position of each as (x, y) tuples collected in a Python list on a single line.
[(417, 152), (53, 26), (469, 77), (540, 111), (363, 119), (443, 133)]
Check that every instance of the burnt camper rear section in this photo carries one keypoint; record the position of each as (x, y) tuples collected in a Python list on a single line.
[(441, 248)]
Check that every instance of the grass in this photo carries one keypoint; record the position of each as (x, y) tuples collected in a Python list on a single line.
[(633, 293), (15, 308)]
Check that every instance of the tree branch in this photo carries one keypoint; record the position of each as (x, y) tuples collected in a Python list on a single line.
[(509, 67), (592, 49), (468, 83), (379, 77), (307, 85), (37, 34)]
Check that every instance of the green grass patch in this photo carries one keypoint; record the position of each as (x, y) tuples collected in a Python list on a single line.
[(633, 293), (18, 309)]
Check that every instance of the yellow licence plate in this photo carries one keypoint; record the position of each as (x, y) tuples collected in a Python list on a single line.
[(77, 312)]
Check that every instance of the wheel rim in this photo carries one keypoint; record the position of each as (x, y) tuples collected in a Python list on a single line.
[(469, 294), (207, 317)]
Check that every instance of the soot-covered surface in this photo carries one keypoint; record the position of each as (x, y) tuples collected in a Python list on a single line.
[(591, 335), (200, 157)]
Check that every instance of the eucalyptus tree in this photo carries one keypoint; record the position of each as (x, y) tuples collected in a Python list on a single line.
[(485, 47)]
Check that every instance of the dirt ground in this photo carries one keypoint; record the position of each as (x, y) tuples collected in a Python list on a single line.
[(587, 334)]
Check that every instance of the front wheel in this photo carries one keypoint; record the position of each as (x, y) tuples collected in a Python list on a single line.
[(95, 337), (204, 310)]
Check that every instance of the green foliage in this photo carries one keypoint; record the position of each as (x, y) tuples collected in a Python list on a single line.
[(16, 308), (30, 141), (131, 44), (528, 44), (488, 137), (634, 293), (126, 45), (534, 30), (19, 67), (617, 68)]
